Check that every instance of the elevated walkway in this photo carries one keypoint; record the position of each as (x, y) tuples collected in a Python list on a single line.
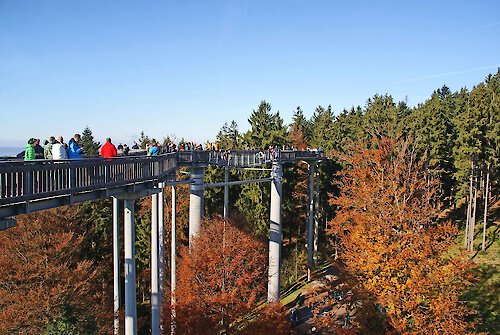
[(41, 184)]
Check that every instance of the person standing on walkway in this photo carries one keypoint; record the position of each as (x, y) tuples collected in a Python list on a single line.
[(39, 152), (59, 149), (29, 153), (108, 149), (154, 150), (74, 150), (47, 150)]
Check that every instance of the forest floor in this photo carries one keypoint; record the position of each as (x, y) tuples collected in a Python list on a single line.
[(300, 297)]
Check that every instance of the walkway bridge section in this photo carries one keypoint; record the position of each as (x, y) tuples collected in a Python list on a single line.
[(42, 184)]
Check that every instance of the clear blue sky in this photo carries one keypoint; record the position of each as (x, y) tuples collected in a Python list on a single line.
[(187, 67)]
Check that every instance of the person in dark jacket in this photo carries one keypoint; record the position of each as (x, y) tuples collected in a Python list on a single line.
[(39, 152), (108, 149), (74, 150)]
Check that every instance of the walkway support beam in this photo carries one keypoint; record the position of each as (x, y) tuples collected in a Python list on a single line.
[(173, 264), (155, 303), (116, 267), (196, 202), (310, 223), (161, 242), (130, 288), (273, 287)]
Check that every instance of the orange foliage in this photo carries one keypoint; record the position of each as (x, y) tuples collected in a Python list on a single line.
[(392, 244), (43, 279), (220, 281)]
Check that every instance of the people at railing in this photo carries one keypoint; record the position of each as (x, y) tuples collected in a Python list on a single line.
[(154, 149), (108, 150), (29, 153), (47, 150), (74, 150), (38, 149), (59, 149)]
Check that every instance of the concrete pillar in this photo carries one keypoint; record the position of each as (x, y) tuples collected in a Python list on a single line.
[(155, 304), (116, 267), (195, 202), (173, 255), (226, 192), (273, 287), (130, 288)]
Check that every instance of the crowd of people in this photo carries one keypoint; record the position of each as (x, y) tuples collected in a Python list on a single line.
[(55, 148)]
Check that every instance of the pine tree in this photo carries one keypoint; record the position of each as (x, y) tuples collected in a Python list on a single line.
[(229, 137), (87, 143), (266, 129)]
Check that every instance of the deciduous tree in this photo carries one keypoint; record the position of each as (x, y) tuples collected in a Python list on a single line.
[(392, 243)]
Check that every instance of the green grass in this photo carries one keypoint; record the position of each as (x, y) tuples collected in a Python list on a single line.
[(484, 297)]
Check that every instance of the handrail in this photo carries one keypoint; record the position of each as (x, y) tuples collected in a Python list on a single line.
[(25, 181)]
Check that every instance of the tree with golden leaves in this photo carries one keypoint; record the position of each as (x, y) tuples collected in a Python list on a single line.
[(392, 244)]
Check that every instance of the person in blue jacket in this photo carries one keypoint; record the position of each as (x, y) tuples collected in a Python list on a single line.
[(154, 150), (74, 150)]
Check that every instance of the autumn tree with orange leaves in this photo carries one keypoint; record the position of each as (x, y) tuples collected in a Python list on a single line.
[(392, 244), (221, 280), (47, 284)]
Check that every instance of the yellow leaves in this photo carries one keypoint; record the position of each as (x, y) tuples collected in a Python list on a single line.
[(391, 242)]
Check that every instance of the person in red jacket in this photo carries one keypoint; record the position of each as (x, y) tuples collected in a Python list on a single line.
[(108, 149)]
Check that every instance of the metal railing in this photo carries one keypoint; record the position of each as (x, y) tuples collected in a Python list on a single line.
[(22, 181)]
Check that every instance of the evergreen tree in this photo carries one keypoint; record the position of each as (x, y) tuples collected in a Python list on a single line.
[(266, 128), (433, 132), (143, 140), (87, 143), (301, 125), (322, 129), (229, 137)]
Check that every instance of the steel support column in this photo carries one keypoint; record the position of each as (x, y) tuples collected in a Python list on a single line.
[(116, 267), (195, 202), (155, 304), (161, 243), (273, 287), (173, 255), (130, 288), (310, 223)]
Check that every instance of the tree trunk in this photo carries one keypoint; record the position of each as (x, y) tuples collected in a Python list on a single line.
[(469, 210), (485, 219), (473, 218)]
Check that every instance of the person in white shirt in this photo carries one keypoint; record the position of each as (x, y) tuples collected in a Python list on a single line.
[(59, 149)]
